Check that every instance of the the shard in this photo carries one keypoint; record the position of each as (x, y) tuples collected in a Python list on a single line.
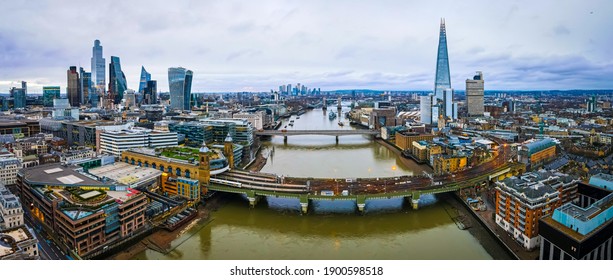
[(443, 79)]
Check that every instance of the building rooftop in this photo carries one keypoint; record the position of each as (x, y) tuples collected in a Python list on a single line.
[(10, 238), (8, 161), (8, 199), (602, 180), (539, 145), (536, 185), (58, 174), (578, 222), (125, 174)]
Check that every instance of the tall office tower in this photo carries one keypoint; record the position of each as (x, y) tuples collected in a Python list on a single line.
[(474, 95), (98, 71), (86, 86), (117, 80), (591, 104), (150, 94), (74, 87), (425, 105), (180, 85), (442, 80), (448, 103), (19, 96), (187, 91), (144, 78), (50, 93)]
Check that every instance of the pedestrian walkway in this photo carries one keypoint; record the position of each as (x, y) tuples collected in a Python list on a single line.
[(488, 217)]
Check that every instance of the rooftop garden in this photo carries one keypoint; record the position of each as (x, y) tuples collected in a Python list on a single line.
[(183, 153)]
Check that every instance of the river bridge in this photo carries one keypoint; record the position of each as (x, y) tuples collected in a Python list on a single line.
[(336, 133), (256, 185)]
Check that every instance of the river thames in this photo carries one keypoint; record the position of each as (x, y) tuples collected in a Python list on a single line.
[(275, 229)]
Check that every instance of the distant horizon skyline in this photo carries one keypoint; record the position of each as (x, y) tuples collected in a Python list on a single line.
[(238, 46), (377, 90)]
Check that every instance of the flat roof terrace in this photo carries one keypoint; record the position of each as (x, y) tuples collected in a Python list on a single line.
[(126, 174), (56, 174)]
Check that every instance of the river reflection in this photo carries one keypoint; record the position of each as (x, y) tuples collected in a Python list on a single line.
[(275, 228)]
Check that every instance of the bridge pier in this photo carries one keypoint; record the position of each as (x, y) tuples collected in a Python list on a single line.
[(285, 139), (336, 139), (361, 202), (253, 199), (304, 204), (415, 202)]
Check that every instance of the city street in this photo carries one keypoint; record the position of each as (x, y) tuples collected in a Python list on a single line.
[(47, 249)]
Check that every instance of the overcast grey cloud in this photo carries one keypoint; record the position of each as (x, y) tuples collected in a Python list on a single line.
[(258, 45)]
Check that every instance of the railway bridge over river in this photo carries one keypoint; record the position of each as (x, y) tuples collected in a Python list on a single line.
[(256, 185)]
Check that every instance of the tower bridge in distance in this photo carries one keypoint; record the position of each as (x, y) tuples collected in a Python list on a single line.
[(256, 185), (336, 133)]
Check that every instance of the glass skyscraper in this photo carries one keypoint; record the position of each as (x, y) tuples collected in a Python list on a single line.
[(98, 68), (150, 94), (86, 86), (187, 91), (443, 79), (49, 93), (144, 78), (180, 85), (19, 96), (117, 80)]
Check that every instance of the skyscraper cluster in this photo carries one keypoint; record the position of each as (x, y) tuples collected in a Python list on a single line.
[(297, 90)]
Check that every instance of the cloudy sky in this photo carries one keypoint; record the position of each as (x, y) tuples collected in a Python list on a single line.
[(258, 45)]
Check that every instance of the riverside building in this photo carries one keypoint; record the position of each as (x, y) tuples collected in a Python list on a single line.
[(522, 201)]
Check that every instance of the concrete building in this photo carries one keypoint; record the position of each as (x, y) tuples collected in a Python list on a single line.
[(8, 170), (181, 166), (582, 230), (536, 153), (18, 244), (76, 154), (474, 95), (19, 128), (425, 107), (116, 141), (405, 139), (256, 119), (382, 117), (11, 211), (521, 201), (448, 163)]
